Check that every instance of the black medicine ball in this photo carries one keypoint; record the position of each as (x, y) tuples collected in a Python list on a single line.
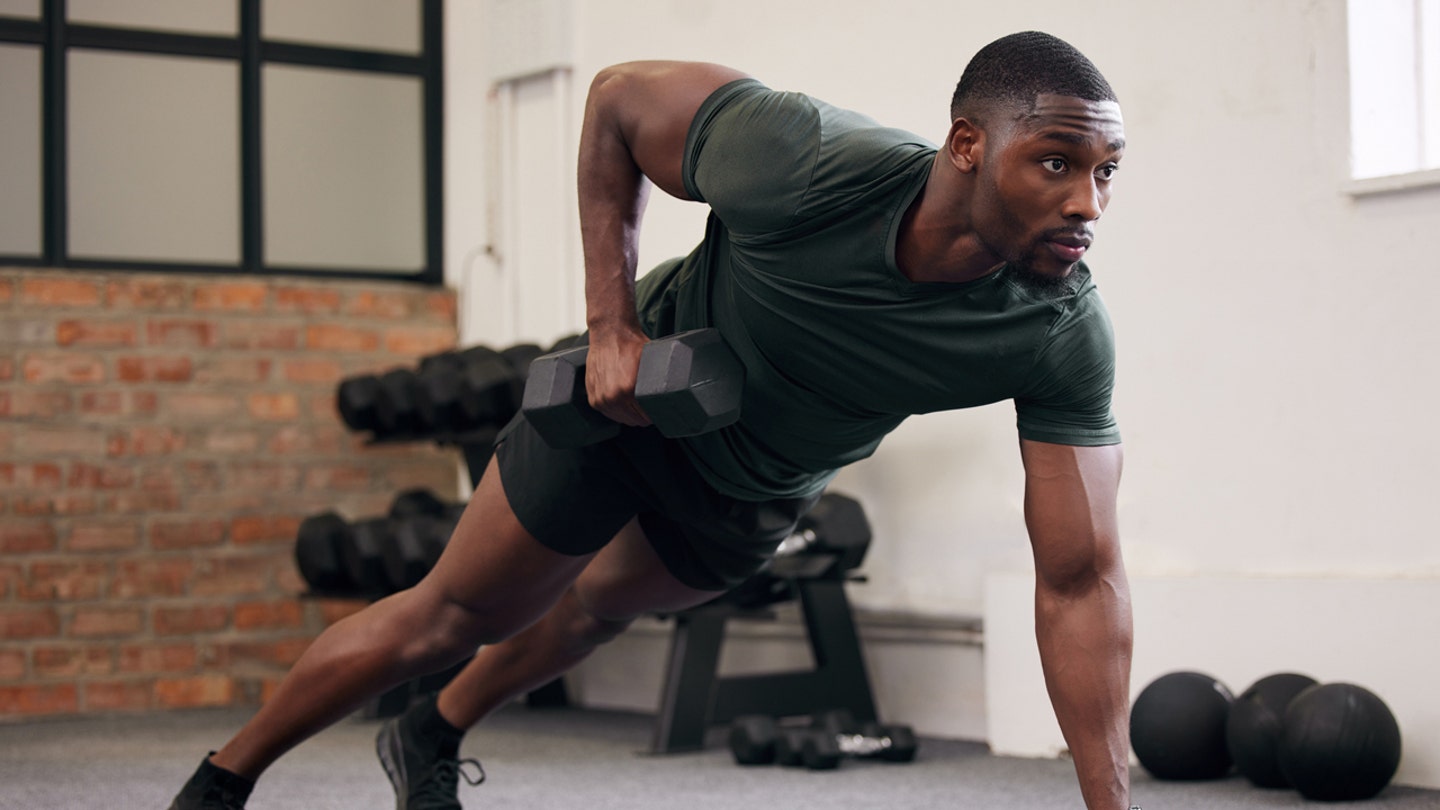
[(1341, 743), (1177, 727), (1255, 724)]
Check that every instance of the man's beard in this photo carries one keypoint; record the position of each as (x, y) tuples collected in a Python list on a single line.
[(1041, 285)]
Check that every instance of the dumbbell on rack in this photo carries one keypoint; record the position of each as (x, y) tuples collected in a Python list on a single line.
[(688, 384), (831, 736), (378, 556), (830, 541), (447, 394)]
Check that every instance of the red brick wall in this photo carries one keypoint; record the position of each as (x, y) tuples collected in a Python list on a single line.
[(161, 438)]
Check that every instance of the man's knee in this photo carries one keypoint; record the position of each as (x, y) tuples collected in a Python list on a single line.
[(447, 631), (594, 619)]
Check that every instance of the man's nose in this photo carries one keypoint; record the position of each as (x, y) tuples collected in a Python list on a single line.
[(1086, 201)]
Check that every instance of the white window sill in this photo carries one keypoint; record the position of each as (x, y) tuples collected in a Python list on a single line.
[(1409, 181)]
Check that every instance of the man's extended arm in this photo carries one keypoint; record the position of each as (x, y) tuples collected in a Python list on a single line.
[(637, 116), (1082, 609)]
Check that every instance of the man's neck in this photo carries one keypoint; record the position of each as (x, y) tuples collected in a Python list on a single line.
[(936, 241)]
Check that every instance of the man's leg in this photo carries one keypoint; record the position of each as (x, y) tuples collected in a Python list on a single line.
[(493, 581), (420, 749), (625, 580)]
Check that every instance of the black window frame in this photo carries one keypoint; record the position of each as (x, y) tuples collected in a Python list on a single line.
[(250, 51)]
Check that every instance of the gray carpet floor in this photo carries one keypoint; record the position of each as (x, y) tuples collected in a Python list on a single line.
[(560, 759)]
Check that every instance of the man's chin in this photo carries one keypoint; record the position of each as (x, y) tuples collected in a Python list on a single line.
[(1048, 282)]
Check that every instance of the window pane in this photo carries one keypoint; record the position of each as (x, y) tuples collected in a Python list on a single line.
[(20, 8), (1430, 80), (1384, 123), (188, 16), (386, 25), (343, 169), (154, 158), (20, 202)]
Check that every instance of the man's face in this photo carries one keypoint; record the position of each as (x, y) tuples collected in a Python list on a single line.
[(1045, 180)]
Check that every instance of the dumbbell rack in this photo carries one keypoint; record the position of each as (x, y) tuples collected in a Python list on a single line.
[(695, 697)]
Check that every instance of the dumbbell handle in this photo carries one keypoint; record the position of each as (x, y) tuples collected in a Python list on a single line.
[(860, 745), (797, 543), (688, 383)]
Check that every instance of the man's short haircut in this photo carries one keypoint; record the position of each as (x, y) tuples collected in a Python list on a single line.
[(1019, 67)]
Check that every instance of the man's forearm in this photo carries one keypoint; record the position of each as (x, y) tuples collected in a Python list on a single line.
[(1085, 644), (612, 195)]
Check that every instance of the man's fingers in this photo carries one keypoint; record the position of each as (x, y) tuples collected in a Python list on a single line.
[(622, 408), (610, 382)]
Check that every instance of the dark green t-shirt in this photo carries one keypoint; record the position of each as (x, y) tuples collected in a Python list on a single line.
[(797, 270)]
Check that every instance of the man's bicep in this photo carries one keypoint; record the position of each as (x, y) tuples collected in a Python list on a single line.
[(1070, 508), (652, 105)]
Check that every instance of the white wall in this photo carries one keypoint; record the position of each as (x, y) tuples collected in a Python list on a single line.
[(1276, 354)]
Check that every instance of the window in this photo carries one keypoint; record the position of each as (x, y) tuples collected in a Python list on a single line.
[(260, 136), (1395, 91)]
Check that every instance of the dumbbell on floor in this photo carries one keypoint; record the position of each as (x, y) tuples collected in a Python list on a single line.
[(688, 384), (760, 740)]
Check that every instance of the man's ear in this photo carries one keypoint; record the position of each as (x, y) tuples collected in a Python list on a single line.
[(966, 145)]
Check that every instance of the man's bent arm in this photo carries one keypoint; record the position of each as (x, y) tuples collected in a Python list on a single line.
[(637, 116), (1082, 609)]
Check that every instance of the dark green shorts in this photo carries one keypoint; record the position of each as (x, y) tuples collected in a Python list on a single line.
[(574, 502)]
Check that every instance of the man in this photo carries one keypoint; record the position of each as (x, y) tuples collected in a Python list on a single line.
[(861, 275)]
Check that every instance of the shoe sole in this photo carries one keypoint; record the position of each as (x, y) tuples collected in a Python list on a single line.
[(392, 758)]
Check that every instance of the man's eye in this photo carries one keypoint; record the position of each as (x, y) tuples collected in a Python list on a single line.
[(1107, 172), (1055, 165)]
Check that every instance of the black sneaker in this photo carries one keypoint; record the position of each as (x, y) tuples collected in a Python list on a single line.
[(421, 757), (213, 788)]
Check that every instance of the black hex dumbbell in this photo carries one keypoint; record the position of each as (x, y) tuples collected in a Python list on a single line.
[(890, 743), (415, 544), (356, 399), (828, 543), (420, 524), (832, 537), (760, 740), (375, 557), (317, 553), (384, 404), (469, 389), (689, 383), (452, 392), (362, 556)]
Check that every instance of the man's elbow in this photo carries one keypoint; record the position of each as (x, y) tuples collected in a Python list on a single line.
[(1086, 568), (608, 81)]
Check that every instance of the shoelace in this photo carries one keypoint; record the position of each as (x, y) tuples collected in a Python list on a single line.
[(438, 787)]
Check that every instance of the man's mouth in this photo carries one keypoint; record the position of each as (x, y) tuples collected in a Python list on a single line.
[(1069, 247)]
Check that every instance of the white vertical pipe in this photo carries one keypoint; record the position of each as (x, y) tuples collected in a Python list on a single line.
[(561, 82), (508, 184)]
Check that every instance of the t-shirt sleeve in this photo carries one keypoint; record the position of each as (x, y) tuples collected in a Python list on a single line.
[(1067, 397), (769, 162), (750, 154)]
